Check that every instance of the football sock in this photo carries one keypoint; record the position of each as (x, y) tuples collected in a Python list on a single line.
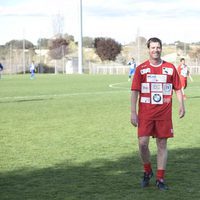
[(147, 168), (160, 174)]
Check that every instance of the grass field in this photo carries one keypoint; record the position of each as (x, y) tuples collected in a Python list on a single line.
[(69, 137)]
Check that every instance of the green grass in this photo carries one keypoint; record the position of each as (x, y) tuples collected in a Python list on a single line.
[(69, 138)]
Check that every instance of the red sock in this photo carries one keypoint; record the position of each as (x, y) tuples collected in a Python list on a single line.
[(160, 174), (147, 168)]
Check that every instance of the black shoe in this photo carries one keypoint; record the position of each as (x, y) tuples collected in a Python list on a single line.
[(146, 179), (161, 185)]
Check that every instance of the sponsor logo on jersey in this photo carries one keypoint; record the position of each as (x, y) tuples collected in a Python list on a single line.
[(145, 71), (145, 88), (156, 78), (167, 100), (167, 88), (156, 98), (145, 100), (167, 70), (156, 87)]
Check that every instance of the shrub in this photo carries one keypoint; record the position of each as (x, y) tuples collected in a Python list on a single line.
[(107, 48)]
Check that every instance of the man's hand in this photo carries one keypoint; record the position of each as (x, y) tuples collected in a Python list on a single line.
[(134, 119), (181, 111)]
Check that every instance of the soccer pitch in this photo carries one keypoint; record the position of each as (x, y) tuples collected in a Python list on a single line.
[(69, 137)]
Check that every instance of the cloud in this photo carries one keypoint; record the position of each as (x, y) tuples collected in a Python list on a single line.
[(119, 19)]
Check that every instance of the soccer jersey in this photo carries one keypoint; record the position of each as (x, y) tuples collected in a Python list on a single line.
[(155, 85), (132, 67), (183, 73)]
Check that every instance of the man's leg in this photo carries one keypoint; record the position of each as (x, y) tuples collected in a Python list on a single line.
[(145, 157), (161, 162), (144, 149)]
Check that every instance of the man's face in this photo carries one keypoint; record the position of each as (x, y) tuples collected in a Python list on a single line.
[(183, 62), (155, 50)]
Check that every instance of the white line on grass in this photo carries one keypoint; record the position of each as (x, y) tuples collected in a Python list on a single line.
[(48, 96), (116, 85)]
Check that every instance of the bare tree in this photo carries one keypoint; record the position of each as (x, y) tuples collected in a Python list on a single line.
[(58, 24)]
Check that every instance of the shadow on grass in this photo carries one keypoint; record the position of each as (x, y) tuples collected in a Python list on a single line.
[(104, 180), (193, 97), (23, 100)]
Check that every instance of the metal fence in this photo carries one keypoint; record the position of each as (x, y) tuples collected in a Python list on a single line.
[(117, 70), (195, 70), (114, 70)]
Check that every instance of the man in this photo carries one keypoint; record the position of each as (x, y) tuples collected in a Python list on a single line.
[(154, 82), (32, 70), (132, 64), (183, 73), (1, 69)]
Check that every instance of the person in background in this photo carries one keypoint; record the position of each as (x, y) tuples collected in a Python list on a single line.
[(1, 69), (32, 70), (132, 64), (184, 72), (152, 87)]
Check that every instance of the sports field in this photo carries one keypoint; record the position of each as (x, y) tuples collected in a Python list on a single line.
[(69, 137)]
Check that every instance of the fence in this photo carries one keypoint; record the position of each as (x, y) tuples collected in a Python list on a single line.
[(116, 70), (195, 70)]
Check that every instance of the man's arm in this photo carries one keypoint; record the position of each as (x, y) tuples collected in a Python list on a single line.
[(134, 116), (181, 103)]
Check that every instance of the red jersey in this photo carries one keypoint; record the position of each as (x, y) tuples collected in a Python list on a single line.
[(183, 71), (155, 85)]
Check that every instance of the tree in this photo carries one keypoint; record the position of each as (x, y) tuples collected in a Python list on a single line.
[(195, 54), (107, 48), (43, 43), (88, 42), (141, 40), (182, 45), (18, 44), (68, 38), (58, 23), (58, 48)]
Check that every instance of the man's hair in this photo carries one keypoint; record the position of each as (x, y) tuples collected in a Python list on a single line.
[(182, 59), (154, 39)]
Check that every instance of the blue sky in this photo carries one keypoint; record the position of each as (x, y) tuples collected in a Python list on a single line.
[(121, 20)]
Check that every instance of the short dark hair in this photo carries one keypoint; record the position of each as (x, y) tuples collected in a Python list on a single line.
[(154, 39), (182, 59)]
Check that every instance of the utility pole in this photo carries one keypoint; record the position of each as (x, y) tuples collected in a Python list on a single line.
[(80, 46), (138, 46), (24, 67)]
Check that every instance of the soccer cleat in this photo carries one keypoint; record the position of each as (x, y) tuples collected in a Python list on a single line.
[(161, 185), (146, 179)]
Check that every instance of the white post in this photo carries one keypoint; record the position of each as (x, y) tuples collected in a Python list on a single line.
[(138, 46), (80, 48), (24, 67)]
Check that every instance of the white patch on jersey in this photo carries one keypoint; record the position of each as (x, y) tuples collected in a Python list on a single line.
[(166, 70), (167, 89), (184, 70), (157, 98), (145, 88), (156, 87), (156, 78), (145, 100), (167, 100), (145, 71)]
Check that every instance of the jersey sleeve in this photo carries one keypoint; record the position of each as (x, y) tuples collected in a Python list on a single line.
[(176, 80)]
